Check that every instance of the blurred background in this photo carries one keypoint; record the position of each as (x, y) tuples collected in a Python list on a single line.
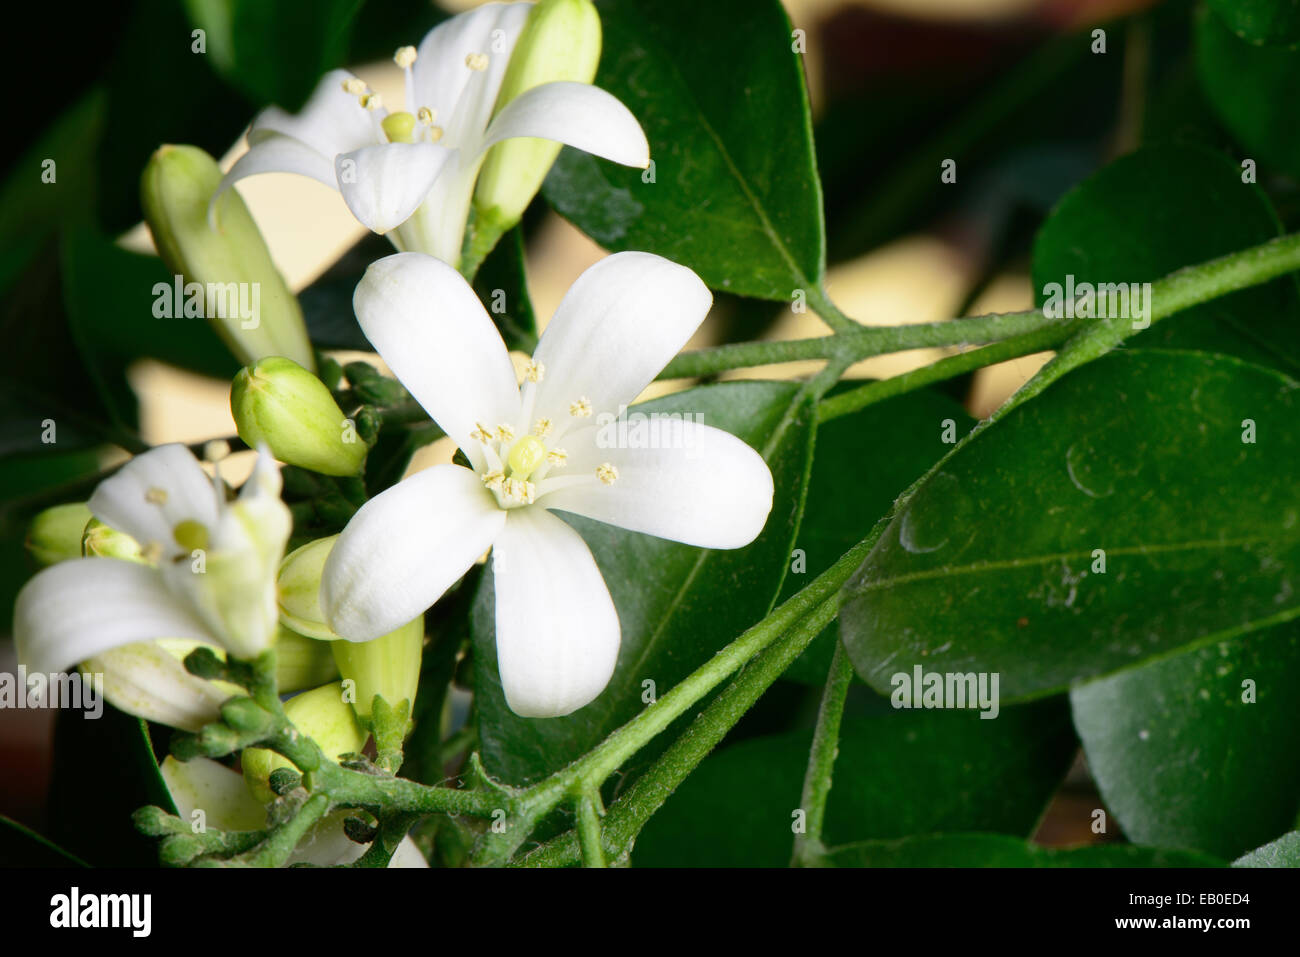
[(1010, 89)]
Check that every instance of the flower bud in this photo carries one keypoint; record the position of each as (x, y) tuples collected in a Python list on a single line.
[(302, 662), (278, 402), (388, 666), (100, 541), (222, 260), (560, 41), (149, 680), (322, 715), (55, 534), (298, 588)]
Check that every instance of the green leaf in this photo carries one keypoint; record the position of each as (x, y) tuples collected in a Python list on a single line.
[(275, 52), (1284, 852), (1183, 761), (20, 846), (1260, 21), (898, 773), (994, 850), (1252, 89), (104, 770), (677, 604), (993, 564), (1154, 212), (735, 194), (863, 462), (502, 287)]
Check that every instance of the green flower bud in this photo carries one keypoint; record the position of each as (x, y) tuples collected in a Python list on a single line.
[(223, 261), (302, 662), (388, 667), (560, 41), (55, 534), (100, 541), (322, 715), (298, 588), (278, 402)]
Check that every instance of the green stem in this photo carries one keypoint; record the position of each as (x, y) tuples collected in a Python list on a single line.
[(808, 847), (589, 837), (828, 311), (280, 845)]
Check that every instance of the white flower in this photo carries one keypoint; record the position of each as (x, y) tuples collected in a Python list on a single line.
[(411, 174), (534, 450), (209, 578)]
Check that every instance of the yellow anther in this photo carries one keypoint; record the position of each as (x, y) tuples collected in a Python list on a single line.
[(216, 450), (580, 409), (156, 496), (399, 127), (481, 433), (190, 535), (372, 101), (542, 428), (557, 456), (477, 61), (353, 87), (534, 371), (525, 456), (152, 553), (518, 490), (404, 57), (425, 115), (494, 479), (435, 134), (607, 473), (505, 433)]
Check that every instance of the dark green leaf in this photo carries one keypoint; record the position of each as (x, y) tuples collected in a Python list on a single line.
[(720, 95), (1201, 750), (993, 565), (677, 604), (22, 847), (1260, 21), (1252, 89), (1284, 852), (502, 286), (898, 773), (994, 850), (1154, 212)]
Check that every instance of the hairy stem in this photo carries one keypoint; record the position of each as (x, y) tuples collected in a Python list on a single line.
[(808, 846)]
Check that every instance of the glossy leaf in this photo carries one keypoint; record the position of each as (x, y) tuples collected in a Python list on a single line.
[(735, 193), (1284, 852), (1260, 21), (898, 773), (1201, 750), (22, 847), (994, 850), (1154, 212), (677, 604), (995, 563)]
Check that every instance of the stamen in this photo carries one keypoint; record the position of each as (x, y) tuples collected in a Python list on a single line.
[(505, 433), (426, 115), (404, 57), (534, 371), (607, 473), (580, 409), (477, 61), (481, 433), (542, 428), (435, 134), (557, 456), (156, 496), (152, 553), (353, 86), (372, 101), (494, 480), (518, 490), (216, 450)]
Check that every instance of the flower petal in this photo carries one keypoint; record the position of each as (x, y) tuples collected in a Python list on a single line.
[(148, 681), (441, 76), (557, 632), (407, 855), (83, 607), (699, 485), (578, 115), (333, 121), (155, 492), (218, 791), (426, 322), (383, 185), (277, 154), (615, 329), (404, 548)]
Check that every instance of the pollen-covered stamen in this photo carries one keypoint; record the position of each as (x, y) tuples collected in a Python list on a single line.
[(426, 115), (372, 101), (580, 409), (191, 535), (607, 473), (557, 457), (353, 86), (534, 371), (152, 553), (156, 496), (505, 432), (542, 428), (399, 127), (405, 57), (477, 61), (481, 433), (494, 480), (435, 134)]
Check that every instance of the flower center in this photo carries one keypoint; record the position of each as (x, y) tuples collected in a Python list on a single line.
[(525, 456), (190, 535), (399, 127)]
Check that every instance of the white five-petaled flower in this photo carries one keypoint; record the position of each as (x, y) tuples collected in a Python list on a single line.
[(411, 174), (209, 577), (533, 449)]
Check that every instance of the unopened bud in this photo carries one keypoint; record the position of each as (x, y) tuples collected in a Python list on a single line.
[(302, 662), (100, 541), (322, 715), (560, 41), (55, 534), (298, 589), (278, 402), (222, 259), (388, 666)]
